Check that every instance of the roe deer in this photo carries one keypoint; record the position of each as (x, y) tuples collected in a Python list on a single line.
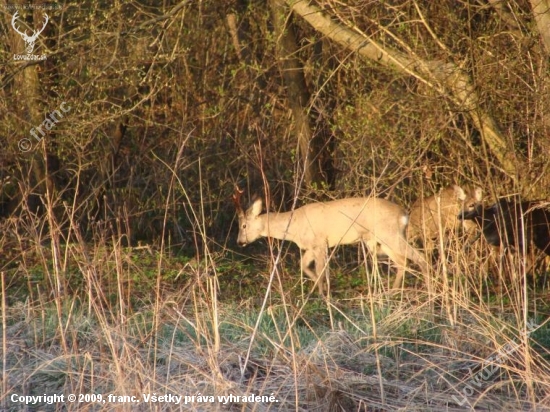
[(315, 227), (439, 213), (514, 223)]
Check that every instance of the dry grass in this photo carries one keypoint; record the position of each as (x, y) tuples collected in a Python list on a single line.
[(78, 319), (346, 369)]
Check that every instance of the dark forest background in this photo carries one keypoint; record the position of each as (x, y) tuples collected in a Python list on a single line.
[(395, 99)]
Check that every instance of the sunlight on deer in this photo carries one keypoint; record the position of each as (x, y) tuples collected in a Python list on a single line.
[(437, 215), (316, 227)]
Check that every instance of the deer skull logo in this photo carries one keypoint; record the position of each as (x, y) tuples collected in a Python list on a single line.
[(29, 40)]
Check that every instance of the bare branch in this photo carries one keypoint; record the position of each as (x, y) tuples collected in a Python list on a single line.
[(447, 78)]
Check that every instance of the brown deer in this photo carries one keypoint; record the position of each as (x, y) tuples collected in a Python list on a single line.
[(514, 225), (315, 227), (438, 214)]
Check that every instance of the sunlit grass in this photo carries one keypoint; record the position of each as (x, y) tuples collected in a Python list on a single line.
[(132, 321)]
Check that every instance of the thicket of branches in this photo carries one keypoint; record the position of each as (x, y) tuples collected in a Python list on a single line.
[(169, 105), (318, 98)]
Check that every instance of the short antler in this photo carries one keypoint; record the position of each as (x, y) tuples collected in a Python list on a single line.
[(237, 200)]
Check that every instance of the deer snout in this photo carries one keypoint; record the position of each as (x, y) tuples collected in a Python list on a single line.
[(242, 243)]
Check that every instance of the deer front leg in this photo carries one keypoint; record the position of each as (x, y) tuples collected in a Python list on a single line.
[(319, 258)]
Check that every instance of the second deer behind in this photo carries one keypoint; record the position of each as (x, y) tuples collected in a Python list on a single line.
[(438, 214)]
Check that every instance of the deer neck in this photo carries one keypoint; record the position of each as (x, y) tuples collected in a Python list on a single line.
[(276, 225)]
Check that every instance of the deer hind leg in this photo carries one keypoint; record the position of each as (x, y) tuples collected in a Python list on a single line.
[(400, 261), (376, 247), (399, 251), (413, 254), (319, 258)]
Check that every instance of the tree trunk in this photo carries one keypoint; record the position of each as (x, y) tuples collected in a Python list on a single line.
[(27, 86), (298, 94)]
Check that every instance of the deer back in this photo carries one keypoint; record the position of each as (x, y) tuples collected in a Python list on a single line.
[(347, 221), (327, 224)]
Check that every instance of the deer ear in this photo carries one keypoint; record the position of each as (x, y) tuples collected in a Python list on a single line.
[(459, 192), (478, 194), (256, 207)]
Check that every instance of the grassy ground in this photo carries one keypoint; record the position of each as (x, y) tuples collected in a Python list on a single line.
[(242, 333)]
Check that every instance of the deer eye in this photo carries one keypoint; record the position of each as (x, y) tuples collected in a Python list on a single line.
[(244, 226)]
